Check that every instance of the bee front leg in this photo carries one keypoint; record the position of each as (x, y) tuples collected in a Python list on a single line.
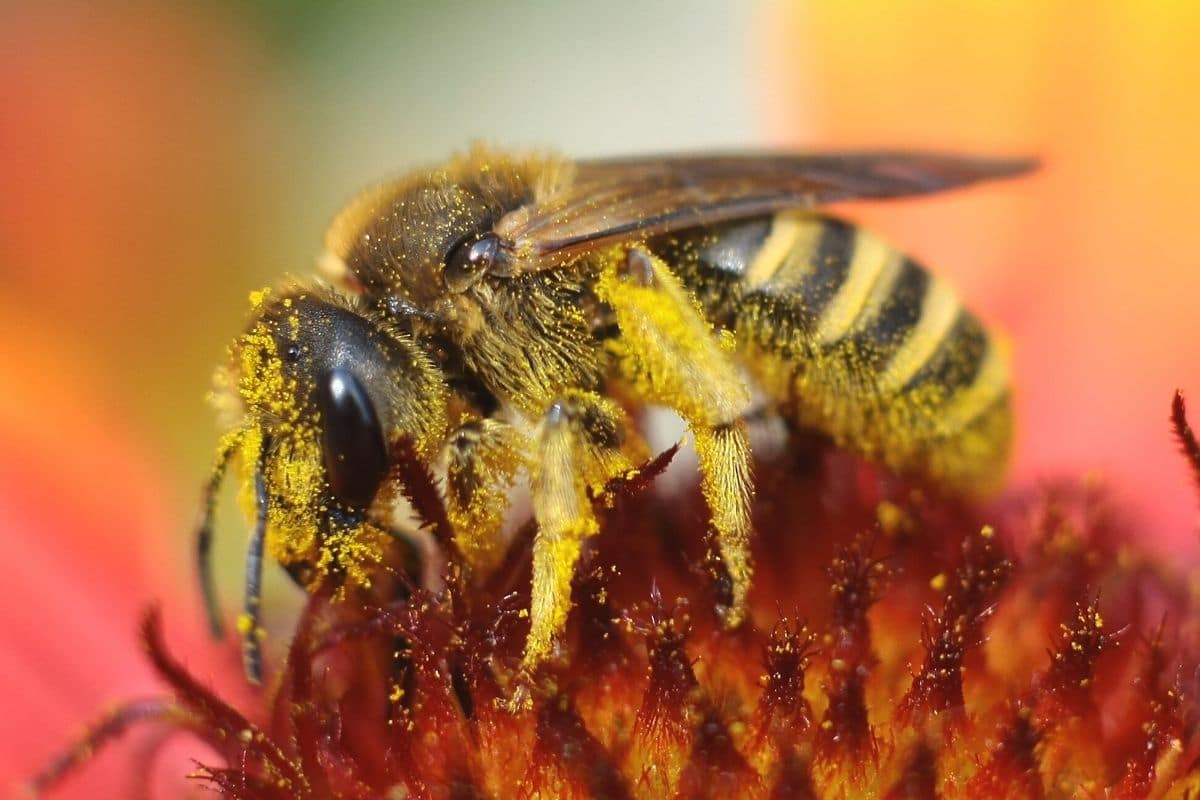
[(229, 444), (670, 355), (483, 457), (578, 447), (248, 622)]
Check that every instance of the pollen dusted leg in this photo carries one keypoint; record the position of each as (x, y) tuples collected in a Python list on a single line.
[(670, 355), (724, 455), (248, 622), (578, 446), (483, 457), (225, 450)]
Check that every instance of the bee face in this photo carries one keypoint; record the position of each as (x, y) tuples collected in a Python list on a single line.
[(315, 376), (313, 365), (324, 389)]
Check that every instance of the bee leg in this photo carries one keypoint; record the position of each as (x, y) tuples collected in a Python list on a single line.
[(578, 451), (248, 622), (482, 460), (724, 455), (208, 504), (670, 355)]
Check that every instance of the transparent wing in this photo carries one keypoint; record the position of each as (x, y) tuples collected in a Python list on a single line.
[(616, 200)]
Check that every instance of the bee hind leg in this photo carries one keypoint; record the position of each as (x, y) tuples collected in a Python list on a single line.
[(670, 355), (724, 454)]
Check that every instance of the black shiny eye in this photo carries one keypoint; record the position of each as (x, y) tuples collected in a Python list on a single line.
[(469, 260), (291, 353), (352, 441)]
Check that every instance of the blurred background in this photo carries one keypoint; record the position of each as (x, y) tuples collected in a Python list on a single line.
[(160, 160)]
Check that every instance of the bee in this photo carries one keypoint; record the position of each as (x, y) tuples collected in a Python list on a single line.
[(505, 313)]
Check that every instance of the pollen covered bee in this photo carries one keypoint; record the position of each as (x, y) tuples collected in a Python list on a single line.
[(505, 313)]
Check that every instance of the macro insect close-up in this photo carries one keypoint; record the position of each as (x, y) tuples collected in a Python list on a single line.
[(507, 313), (624, 400)]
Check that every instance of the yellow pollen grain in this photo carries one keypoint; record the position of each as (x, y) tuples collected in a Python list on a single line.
[(892, 518), (245, 624)]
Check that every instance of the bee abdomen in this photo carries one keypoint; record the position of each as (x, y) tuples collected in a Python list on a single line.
[(852, 337)]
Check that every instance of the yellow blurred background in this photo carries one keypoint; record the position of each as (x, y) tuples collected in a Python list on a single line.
[(160, 160)]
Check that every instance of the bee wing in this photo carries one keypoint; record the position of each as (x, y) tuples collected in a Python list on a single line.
[(623, 199)]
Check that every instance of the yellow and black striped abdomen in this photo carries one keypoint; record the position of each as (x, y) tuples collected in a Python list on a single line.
[(851, 337)]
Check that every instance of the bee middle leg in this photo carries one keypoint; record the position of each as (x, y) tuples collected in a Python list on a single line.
[(579, 449), (670, 355)]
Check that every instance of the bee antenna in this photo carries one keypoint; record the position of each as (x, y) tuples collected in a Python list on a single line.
[(208, 588), (248, 624)]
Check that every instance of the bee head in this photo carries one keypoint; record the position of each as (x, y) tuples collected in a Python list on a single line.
[(322, 390), (334, 387)]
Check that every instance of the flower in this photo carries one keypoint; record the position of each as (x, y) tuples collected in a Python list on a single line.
[(77, 507), (899, 645)]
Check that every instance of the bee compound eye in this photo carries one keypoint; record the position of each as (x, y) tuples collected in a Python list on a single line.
[(470, 259), (351, 439)]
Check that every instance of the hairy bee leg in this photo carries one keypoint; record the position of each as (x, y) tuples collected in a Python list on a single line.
[(248, 622), (578, 449), (204, 569), (565, 518), (724, 455), (482, 461), (669, 354)]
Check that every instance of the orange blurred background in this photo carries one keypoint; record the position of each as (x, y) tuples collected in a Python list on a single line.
[(158, 161), (1093, 266)]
